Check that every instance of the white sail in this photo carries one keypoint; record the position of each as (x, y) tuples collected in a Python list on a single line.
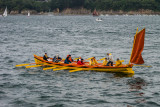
[(5, 13), (28, 13)]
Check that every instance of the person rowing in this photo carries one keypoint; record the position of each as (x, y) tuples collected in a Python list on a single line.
[(118, 62), (57, 58), (105, 61), (93, 61), (45, 57), (68, 59), (80, 61)]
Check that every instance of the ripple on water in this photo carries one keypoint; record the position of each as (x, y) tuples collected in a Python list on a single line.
[(22, 36)]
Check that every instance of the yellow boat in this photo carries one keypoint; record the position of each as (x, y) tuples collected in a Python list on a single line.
[(86, 67), (136, 58)]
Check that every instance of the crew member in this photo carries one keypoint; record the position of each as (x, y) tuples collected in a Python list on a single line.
[(110, 58), (118, 62), (45, 57), (105, 61), (80, 61), (93, 61), (68, 59), (57, 58)]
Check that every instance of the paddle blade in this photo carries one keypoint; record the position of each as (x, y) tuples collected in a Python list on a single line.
[(27, 64), (21, 65)]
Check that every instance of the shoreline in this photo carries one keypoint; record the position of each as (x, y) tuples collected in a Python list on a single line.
[(83, 11)]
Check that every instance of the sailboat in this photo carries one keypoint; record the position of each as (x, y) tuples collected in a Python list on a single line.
[(5, 13), (135, 58), (50, 14), (28, 13), (95, 13)]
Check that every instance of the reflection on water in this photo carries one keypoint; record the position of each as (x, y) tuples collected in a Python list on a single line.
[(136, 85), (122, 75)]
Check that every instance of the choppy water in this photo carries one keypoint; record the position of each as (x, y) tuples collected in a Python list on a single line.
[(21, 37)]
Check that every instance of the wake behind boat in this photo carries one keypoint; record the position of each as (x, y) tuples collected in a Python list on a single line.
[(136, 58)]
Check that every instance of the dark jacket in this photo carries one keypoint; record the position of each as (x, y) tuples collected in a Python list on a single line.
[(45, 58), (57, 59), (67, 61)]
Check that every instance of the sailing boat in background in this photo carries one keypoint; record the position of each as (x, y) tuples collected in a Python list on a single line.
[(50, 13), (28, 13), (5, 13), (95, 13)]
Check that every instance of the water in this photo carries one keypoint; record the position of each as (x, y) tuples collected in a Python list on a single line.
[(21, 37)]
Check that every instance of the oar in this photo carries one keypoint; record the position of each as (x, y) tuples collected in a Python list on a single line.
[(76, 70), (122, 60), (33, 66), (24, 64), (49, 68), (143, 65), (89, 58), (28, 64), (101, 59), (60, 68)]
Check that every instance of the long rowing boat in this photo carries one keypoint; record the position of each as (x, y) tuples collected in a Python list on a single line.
[(86, 66), (136, 58)]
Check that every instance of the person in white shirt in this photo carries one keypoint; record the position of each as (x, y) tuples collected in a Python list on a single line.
[(110, 59)]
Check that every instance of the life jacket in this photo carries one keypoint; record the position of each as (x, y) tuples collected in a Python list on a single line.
[(118, 63), (46, 56), (104, 62), (70, 59), (93, 62)]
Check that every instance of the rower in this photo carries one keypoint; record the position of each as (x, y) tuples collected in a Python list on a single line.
[(80, 61), (118, 62), (68, 59), (45, 57), (105, 62), (57, 58), (93, 61)]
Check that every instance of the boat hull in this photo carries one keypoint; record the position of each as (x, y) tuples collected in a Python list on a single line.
[(86, 67)]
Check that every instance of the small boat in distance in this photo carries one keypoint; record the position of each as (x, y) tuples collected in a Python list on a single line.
[(5, 13), (98, 19), (95, 13), (50, 13), (28, 14)]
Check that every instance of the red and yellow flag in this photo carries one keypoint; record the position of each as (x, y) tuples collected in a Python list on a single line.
[(138, 45)]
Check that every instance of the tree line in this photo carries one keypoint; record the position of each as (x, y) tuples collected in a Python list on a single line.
[(43, 6)]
